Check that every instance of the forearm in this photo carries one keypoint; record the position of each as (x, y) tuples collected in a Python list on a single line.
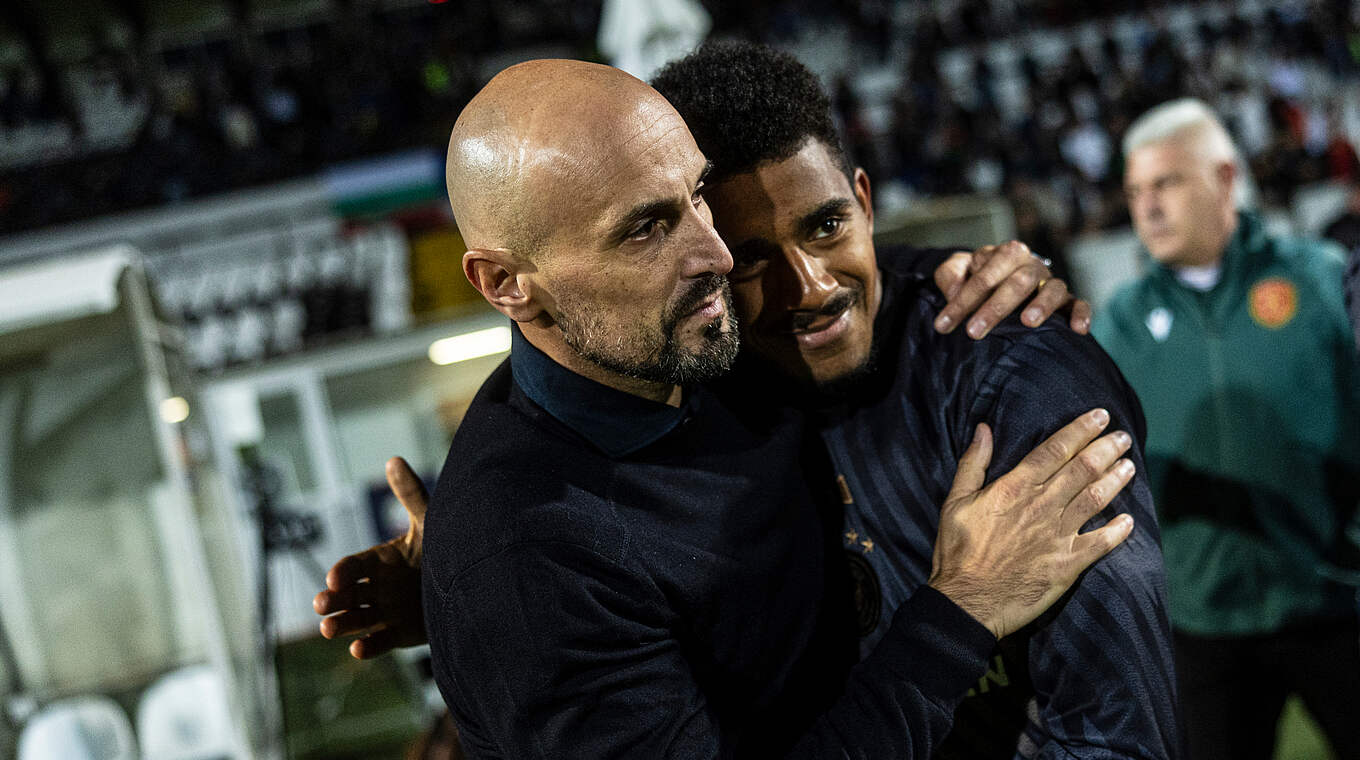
[(899, 702), (529, 693)]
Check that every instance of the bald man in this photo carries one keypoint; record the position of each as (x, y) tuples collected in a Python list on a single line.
[(620, 561)]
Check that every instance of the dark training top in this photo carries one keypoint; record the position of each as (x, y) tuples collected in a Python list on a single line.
[(1094, 677), (647, 582)]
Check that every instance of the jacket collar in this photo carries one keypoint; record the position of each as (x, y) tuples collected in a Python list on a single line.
[(1245, 245), (615, 422)]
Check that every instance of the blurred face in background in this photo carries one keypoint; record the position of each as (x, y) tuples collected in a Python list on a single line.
[(1181, 202), (804, 277)]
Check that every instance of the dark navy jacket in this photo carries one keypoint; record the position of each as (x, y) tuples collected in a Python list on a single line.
[(1094, 678), (642, 581)]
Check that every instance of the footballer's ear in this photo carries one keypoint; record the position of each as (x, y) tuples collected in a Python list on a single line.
[(503, 280), (864, 195)]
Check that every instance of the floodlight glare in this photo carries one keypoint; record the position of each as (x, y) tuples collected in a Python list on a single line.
[(460, 348)]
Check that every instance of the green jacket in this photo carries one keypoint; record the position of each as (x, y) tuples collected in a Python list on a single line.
[(1252, 397)]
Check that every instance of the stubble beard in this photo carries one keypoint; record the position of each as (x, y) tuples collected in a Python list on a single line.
[(655, 355)]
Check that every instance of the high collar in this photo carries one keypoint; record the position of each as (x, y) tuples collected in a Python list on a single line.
[(1247, 244), (616, 422)]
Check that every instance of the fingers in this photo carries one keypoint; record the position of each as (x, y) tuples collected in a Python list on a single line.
[(1081, 317), (982, 280), (349, 570), (1011, 273), (354, 622), (1058, 449), (325, 603), (1088, 466), (408, 489), (1097, 496), (351, 597), (972, 471), (980, 258), (1091, 546), (373, 645), (950, 275), (1007, 298), (1052, 295), (1003, 276)]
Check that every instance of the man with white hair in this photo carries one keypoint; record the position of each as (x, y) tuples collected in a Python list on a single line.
[(1237, 342)]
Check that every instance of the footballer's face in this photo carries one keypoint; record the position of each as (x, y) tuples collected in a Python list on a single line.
[(804, 277)]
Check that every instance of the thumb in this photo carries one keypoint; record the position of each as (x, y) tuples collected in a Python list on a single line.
[(408, 489), (972, 471)]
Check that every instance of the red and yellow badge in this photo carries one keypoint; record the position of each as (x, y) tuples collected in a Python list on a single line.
[(1273, 302)]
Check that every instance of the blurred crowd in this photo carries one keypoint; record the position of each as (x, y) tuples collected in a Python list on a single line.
[(977, 103), (244, 106), (1045, 130)]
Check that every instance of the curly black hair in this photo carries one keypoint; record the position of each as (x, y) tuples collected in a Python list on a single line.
[(748, 104)]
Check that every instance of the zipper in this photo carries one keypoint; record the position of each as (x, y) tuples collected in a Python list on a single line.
[(1197, 304)]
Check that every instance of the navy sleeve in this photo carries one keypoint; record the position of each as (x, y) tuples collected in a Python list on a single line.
[(922, 261), (555, 651), (900, 700), (564, 653), (1101, 662)]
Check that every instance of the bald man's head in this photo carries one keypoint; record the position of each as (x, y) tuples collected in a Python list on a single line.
[(578, 190), (533, 140)]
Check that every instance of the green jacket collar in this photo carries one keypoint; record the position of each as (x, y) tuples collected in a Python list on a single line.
[(1246, 249), (1246, 246)]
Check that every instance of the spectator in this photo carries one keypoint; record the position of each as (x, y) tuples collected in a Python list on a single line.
[(362, 81), (1237, 345)]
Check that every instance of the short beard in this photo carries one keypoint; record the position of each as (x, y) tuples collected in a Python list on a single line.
[(664, 361)]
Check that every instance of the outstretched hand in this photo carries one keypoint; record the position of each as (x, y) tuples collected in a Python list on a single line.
[(1007, 551), (993, 281), (374, 596)]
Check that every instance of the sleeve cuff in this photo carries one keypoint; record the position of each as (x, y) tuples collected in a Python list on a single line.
[(936, 645)]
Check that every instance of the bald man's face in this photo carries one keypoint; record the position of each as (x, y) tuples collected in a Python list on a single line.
[(631, 269)]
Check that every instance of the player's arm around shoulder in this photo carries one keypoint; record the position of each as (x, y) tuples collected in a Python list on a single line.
[(1100, 660)]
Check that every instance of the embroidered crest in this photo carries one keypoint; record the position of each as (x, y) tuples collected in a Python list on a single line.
[(1159, 323), (867, 594), (1273, 302)]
